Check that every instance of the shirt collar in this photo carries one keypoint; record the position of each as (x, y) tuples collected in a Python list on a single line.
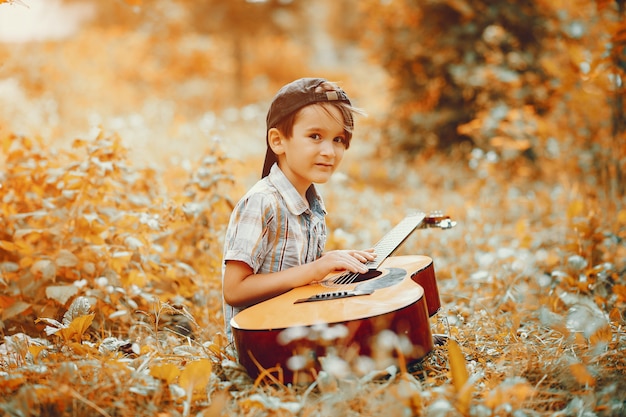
[(294, 201)]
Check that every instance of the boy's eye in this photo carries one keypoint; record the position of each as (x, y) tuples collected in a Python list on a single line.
[(316, 136), (340, 139)]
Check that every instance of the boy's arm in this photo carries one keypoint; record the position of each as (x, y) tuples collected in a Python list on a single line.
[(242, 287)]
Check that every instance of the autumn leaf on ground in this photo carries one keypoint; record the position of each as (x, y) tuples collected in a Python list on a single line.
[(72, 331), (76, 319), (77, 328), (460, 377), (36, 350), (195, 376), (166, 372), (7, 246)]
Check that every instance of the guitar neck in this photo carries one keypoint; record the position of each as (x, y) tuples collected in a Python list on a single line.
[(396, 236)]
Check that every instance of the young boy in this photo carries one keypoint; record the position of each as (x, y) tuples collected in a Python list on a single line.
[(277, 231)]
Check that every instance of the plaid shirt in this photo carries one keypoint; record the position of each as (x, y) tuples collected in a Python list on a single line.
[(272, 228)]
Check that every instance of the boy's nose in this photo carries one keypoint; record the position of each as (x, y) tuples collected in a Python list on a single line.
[(328, 148)]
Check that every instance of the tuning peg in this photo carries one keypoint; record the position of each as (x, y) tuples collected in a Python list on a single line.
[(447, 224)]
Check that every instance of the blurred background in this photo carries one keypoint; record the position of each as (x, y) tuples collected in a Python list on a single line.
[(525, 89), (172, 76)]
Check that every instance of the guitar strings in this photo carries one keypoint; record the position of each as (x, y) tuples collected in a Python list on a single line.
[(346, 278)]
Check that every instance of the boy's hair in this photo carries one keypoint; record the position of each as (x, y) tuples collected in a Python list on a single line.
[(301, 93)]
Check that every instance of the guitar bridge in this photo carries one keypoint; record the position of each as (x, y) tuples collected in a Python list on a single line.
[(334, 295)]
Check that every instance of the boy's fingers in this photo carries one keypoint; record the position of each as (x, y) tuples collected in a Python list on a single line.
[(355, 264), (360, 268), (365, 256)]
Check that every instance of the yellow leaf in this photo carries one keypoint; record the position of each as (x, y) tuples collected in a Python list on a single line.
[(7, 246), (26, 262), (457, 365), (521, 227), (80, 349), (575, 209), (145, 349), (460, 376), (215, 349), (35, 350), (77, 328), (135, 277), (196, 375), (166, 372), (120, 260)]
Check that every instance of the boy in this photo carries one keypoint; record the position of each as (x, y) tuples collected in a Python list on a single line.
[(277, 231)]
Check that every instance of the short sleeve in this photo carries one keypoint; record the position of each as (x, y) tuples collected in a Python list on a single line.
[(247, 236)]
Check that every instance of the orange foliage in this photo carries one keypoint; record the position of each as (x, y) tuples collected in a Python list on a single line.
[(130, 260), (79, 224)]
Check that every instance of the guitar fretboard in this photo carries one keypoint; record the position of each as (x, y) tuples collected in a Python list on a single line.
[(394, 238)]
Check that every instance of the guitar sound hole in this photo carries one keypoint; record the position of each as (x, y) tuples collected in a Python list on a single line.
[(351, 277), (371, 274)]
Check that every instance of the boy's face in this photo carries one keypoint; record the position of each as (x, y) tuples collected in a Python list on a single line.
[(316, 147)]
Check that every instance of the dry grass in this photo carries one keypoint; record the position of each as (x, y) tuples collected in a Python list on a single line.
[(539, 327)]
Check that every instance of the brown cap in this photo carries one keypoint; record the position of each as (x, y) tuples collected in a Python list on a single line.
[(293, 97)]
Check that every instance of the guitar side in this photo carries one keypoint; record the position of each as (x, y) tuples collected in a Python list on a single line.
[(293, 335)]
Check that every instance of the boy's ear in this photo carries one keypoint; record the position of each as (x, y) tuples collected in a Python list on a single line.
[(275, 139)]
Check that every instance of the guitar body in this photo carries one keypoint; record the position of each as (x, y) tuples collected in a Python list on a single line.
[(291, 332)]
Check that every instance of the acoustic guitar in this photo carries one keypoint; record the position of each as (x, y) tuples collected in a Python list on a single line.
[(346, 314)]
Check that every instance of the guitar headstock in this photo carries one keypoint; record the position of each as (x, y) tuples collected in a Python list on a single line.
[(438, 219)]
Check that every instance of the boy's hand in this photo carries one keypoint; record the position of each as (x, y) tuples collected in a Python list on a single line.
[(363, 256), (346, 260)]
